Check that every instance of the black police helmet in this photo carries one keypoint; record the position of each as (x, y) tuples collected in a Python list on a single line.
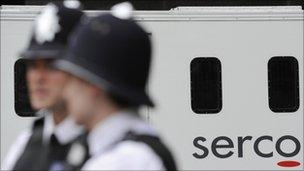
[(112, 53), (51, 30)]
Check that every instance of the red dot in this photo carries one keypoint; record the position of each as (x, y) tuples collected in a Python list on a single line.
[(289, 163)]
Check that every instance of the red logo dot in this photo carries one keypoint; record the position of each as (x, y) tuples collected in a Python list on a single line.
[(289, 163)]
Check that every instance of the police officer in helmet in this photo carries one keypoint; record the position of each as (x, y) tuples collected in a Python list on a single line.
[(44, 146), (108, 61)]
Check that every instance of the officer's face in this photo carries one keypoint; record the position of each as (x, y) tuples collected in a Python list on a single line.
[(81, 99), (45, 84)]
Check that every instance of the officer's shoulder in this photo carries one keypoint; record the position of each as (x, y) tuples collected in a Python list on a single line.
[(130, 147), (24, 134), (27, 132), (131, 154)]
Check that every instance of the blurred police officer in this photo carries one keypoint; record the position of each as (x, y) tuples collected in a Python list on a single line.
[(108, 60), (45, 145)]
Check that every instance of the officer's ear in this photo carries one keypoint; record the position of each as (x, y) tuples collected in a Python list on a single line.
[(103, 96), (97, 91)]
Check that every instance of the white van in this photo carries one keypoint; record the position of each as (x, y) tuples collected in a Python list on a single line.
[(227, 81)]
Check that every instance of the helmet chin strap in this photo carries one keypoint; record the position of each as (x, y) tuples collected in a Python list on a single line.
[(100, 113), (59, 111)]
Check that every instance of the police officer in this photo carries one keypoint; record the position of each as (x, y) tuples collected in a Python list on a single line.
[(109, 59), (45, 145)]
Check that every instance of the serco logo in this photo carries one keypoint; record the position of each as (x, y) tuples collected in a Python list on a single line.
[(224, 142)]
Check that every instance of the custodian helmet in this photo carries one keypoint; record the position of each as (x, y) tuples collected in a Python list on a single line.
[(113, 53), (51, 30)]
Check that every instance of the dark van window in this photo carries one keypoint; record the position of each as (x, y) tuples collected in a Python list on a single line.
[(283, 84), (22, 103), (206, 85)]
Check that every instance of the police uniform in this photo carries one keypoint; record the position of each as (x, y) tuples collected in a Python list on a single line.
[(46, 144), (133, 145), (113, 52), (31, 147)]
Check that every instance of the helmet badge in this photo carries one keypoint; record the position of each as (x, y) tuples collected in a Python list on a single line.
[(47, 24)]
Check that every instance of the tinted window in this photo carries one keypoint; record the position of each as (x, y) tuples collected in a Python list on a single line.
[(22, 104), (206, 85), (283, 84)]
